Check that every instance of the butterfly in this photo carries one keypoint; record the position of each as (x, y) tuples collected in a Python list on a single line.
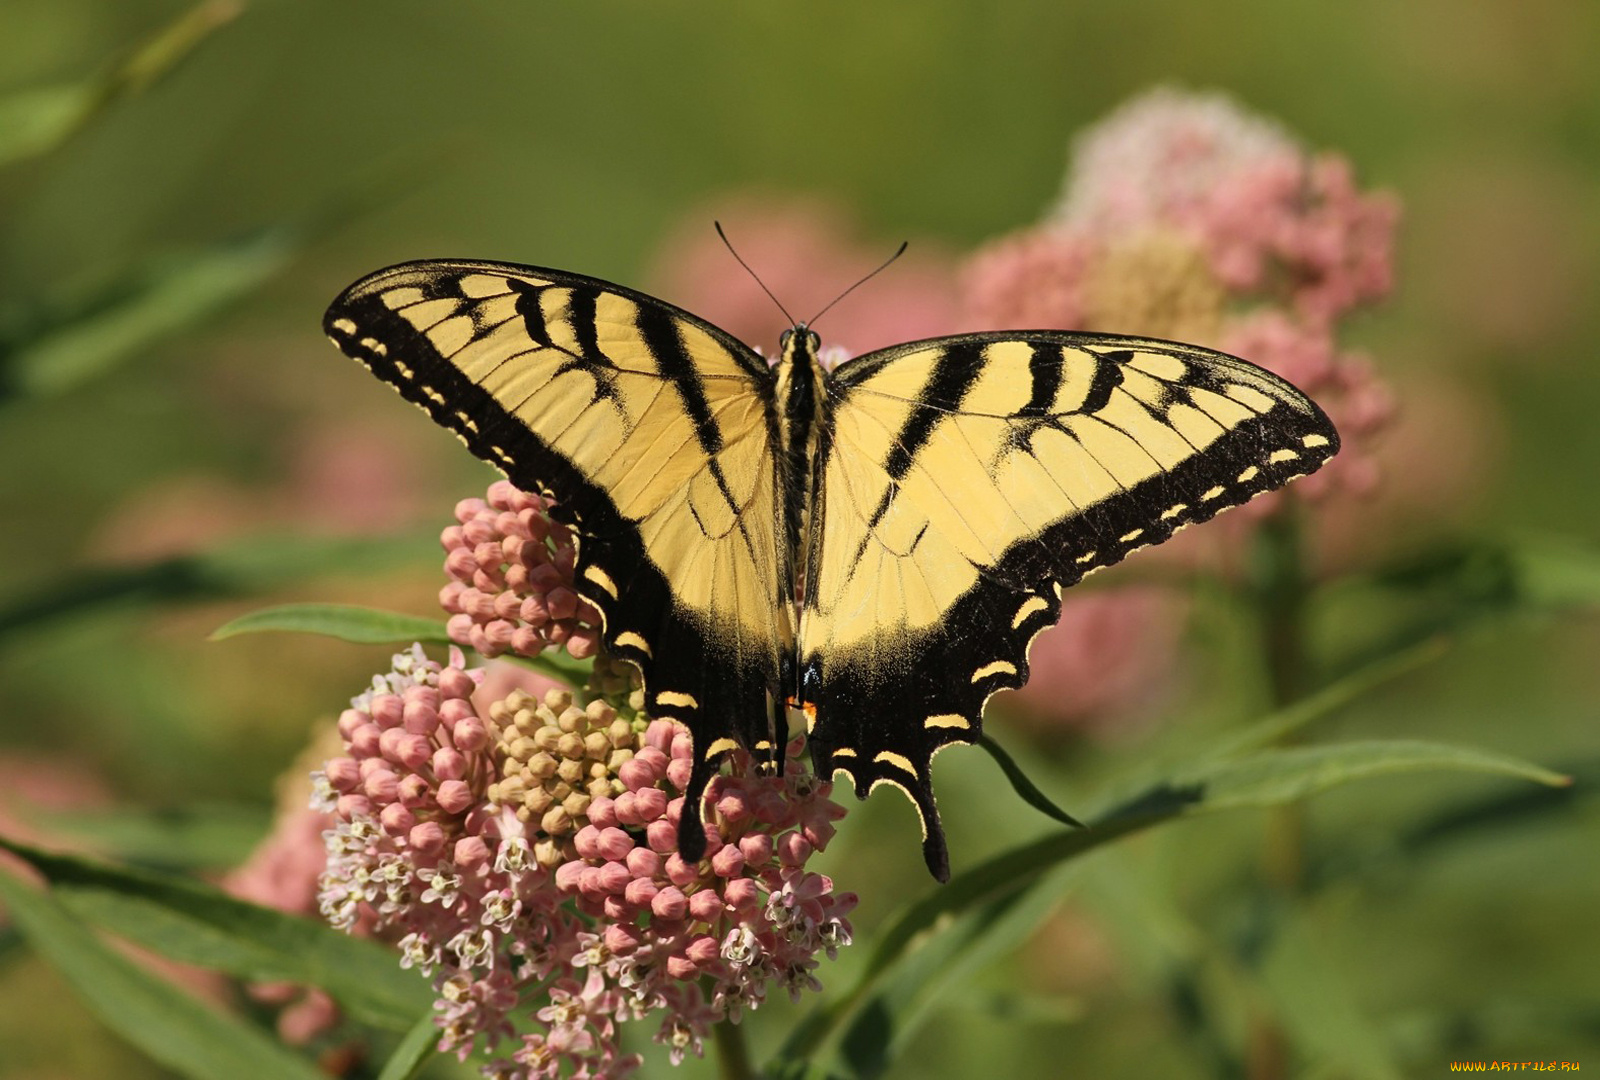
[(877, 544)]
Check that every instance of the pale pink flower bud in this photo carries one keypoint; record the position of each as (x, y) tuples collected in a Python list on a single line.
[(661, 835), (455, 685), (350, 721), (525, 641), (626, 810), (678, 772), (449, 763), (636, 774), (670, 903), (643, 862), (793, 849), (742, 894), (602, 812), (680, 872), (382, 786), (681, 967), (567, 875), (614, 844), (352, 806), (469, 735), (387, 709), (396, 819), (621, 938), (471, 852), (589, 884), (455, 796), (420, 718), (343, 773), (733, 808), (587, 842), (756, 849), (728, 862), (705, 905), (614, 877), (415, 791), (658, 737), (389, 742), (427, 837), (415, 752), (640, 891), (650, 803), (703, 950), (562, 603)]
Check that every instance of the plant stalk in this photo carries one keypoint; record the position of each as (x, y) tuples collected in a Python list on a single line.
[(733, 1052)]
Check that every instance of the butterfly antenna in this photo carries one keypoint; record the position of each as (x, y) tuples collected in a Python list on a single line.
[(753, 274), (903, 245)]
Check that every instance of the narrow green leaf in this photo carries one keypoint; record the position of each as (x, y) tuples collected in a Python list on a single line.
[(1330, 699), (155, 1016), (1025, 787), (199, 924), (347, 622), (169, 298), (1268, 778), (241, 568), (204, 837), (414, 1051)]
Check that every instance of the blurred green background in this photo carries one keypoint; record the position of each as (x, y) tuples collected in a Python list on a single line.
[(179, 444)]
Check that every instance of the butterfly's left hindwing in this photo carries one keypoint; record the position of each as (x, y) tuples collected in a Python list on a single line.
[(962, 483), (653, 431)]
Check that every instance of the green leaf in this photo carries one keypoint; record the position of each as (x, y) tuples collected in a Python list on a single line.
[(33, 122), (155, 1016), (182, 838), (414, 1051), (199, 924), (1025, 787), (347, 622), (241, 568), (167, 298), (1268, 778)]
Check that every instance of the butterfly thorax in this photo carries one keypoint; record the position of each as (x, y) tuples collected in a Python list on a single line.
[(800, 397)]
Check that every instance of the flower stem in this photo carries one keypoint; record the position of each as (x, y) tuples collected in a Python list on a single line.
[(733, 1052)]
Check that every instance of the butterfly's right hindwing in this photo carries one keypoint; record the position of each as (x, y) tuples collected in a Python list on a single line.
[(651, 429)]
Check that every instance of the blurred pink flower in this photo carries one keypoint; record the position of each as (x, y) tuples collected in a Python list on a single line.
[(524, 856), (1110, 652), (806, 253)]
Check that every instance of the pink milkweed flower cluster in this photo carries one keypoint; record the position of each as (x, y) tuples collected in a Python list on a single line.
[(1186, 217), (511, 586), (525, 857)]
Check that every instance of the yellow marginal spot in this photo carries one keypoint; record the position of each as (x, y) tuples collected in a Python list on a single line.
[(1174, 512), (955, 720), (1161, 365), (468, 423), (1309, 440), (602, 579), (1248, 475), (764, 744), (634, 641), (837, 769), (1134, 535), (1029, 606), (480, 286), (433, 395), (677, 697), (721, 746), (904, 791), (1214, 493), (405, 372), (998, 667), (345, 326), (1282, 455), (1087, 556), (899, 761), (844, 751), (1250, 397)]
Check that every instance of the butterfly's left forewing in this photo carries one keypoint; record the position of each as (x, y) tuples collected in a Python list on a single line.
[(653, 430), (963, 482)]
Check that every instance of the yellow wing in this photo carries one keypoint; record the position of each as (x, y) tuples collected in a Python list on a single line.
[(652, 430), (963, 482)]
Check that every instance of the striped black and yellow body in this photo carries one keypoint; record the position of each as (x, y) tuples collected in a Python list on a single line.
[(878, 544)]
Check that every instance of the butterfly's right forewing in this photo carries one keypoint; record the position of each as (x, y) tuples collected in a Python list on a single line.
[(653, 431)]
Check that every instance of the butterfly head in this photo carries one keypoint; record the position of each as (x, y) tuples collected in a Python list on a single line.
[(801, 338)]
